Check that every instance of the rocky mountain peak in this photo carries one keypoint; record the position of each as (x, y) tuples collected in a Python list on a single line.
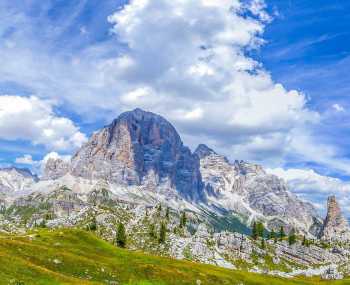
[(335, 226), (140, 148), (13, 179), (55, 168), (203, 150)]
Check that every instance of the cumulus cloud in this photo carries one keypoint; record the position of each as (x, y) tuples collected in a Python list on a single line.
[(25, 159), (193, 68), (32, 119), (315, 187), (187, 60)]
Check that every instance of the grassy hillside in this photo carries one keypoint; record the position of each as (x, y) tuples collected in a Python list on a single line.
[(78, 257)]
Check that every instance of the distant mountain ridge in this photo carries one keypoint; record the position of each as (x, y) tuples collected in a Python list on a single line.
[(142, 150)]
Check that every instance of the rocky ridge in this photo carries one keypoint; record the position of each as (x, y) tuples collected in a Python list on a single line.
[(335, 227)]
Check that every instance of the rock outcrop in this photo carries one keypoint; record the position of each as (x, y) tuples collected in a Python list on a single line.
[(335, 227), (16, 180), (140, 148), (249, 191), (55, 168)]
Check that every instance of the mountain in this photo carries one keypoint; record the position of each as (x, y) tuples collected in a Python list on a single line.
[(335, 227), (14, 180), (138, 172), (140, 148), (249, 191)]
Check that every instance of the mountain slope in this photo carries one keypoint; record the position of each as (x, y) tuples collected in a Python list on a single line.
[(246, 189), (78, 257)]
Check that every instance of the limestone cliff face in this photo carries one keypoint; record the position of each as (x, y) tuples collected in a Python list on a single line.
[(248, 190), (14, 180), (55, 168), (140, 148), (335, 227)]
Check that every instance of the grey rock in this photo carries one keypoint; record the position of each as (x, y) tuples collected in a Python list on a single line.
[(136, 146)]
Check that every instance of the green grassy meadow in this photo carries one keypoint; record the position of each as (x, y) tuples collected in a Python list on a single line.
[(70, 256)]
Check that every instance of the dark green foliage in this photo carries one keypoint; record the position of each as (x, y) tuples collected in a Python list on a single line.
[(260, 229), (167, 213), (42, 224), (292, 237), (257, 230), (92, 226), (306, 242), (272, 234), (263, 245), (162, 233), (183, 220), (282, 234), (254, 231), (152, 231), (121, 235)]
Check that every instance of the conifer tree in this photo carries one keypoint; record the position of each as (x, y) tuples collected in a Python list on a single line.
[(152, 231), (304, 241), (254, 231), (260, 229), (263, 245), (167, 213), (121, 235), (282, 234), (183, 220), (162, 233), (292, 237)]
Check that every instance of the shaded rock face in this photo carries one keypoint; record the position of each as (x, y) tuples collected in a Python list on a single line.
[(140, 148), (55, 168), (335, 227), (248, 190)]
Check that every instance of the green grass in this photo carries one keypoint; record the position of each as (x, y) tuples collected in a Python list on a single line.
[(78, 257)]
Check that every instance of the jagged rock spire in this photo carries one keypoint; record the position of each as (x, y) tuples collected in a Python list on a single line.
[(335, 227)]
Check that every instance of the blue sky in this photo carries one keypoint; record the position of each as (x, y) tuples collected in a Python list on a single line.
[(267, 83)]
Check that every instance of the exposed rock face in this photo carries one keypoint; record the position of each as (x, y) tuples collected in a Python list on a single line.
[(55, 168), (140, 148), (248, 190), (15, 180), (336, 227)]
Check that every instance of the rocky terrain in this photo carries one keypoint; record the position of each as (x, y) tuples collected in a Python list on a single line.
[(136, 171), (336, 227)]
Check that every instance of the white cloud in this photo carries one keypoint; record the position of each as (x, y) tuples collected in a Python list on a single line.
[(33, 119), (194, 61), (25, 159), (315, 187), (338, 107), (187, 60)]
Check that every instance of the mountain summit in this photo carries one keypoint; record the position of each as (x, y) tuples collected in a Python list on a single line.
[(335, 227), (140, 148)]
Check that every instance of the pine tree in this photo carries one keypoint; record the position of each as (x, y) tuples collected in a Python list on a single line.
[(162, 233), (260, 229), (263, 245), (282, 234), (167, 213), (304, 242), (292, 237), (254, 231), (152, 231), (183, 220), (93, 226), (121, 235)]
